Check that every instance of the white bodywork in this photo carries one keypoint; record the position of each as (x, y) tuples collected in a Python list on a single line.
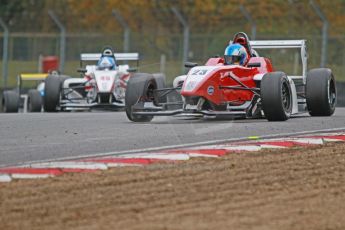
[(197, 75), (178, 81), (98, 87), (112, 82)]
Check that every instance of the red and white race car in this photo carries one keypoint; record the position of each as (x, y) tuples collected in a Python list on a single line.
[(102, 88), (250, 91)]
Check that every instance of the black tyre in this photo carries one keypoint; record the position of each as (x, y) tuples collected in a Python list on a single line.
[(321, 92), (52, 91), (140, 87), (63, 78), (276, 96), (160, 80), (10, 101), (34, 101)]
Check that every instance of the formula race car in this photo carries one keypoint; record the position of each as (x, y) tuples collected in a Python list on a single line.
[(30, 101), (98, 87), (252, 90)]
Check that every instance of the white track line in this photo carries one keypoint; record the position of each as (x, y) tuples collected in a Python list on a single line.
[(70, 165), (331, 140), (128, 152), (241, 147), (30, 176), (5, 178), (160, 156), (313, 141), (113, 165), (301, 140), (202, 155), (272, 146)]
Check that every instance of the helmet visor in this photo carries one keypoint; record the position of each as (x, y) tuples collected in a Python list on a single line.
[(232, 59), (107, 52)]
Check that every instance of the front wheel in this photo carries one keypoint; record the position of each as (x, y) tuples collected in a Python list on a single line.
[(320, 92), (52, 91), (276, 96), (140, 87)]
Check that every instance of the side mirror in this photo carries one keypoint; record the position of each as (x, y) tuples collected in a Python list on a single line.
[(254, 64), (190, 64), (132, 70), (81, 70)]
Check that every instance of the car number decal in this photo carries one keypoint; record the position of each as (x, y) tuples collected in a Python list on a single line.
[(199, 72)]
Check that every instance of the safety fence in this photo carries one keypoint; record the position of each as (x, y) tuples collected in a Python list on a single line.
[(164, 53)]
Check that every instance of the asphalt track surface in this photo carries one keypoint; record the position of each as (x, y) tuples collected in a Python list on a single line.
[(48, 136)]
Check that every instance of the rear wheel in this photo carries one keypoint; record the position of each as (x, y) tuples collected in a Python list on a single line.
[(321, 92), (34, 101), (52, 91), (276, 96), (10, 101), (140, 87)]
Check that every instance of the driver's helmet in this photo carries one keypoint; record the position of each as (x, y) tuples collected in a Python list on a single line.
[(107, 52), (235, 54), (107, 60)]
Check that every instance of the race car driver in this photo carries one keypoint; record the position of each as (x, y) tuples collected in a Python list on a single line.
[(239, 50), (107, 60), (235, 54)]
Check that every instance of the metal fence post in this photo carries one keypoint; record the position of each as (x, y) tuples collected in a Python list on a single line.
[(4, 54), (185, 35), (324, 32), (162, 64), (62, 38), (126, 30), (250, 20)]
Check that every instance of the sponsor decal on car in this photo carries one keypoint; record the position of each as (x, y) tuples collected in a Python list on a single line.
[(210, 90)]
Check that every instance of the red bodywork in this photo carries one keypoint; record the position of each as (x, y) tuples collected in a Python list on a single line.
[(219, 76)]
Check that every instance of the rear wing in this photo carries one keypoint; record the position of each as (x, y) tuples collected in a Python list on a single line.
[(32, 76), (286, 44), (118, 57)]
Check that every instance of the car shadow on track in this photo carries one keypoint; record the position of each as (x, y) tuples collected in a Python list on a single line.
[(186, 120)]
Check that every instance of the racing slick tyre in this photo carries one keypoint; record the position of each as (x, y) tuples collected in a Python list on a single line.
[(160, 80), (320, 92), (52, 92), (140, 87), (276, 96), (34, 101), (63, 78), (10, 101)]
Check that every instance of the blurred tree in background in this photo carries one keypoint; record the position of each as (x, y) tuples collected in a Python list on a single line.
[(273, 16), (155, 30)]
